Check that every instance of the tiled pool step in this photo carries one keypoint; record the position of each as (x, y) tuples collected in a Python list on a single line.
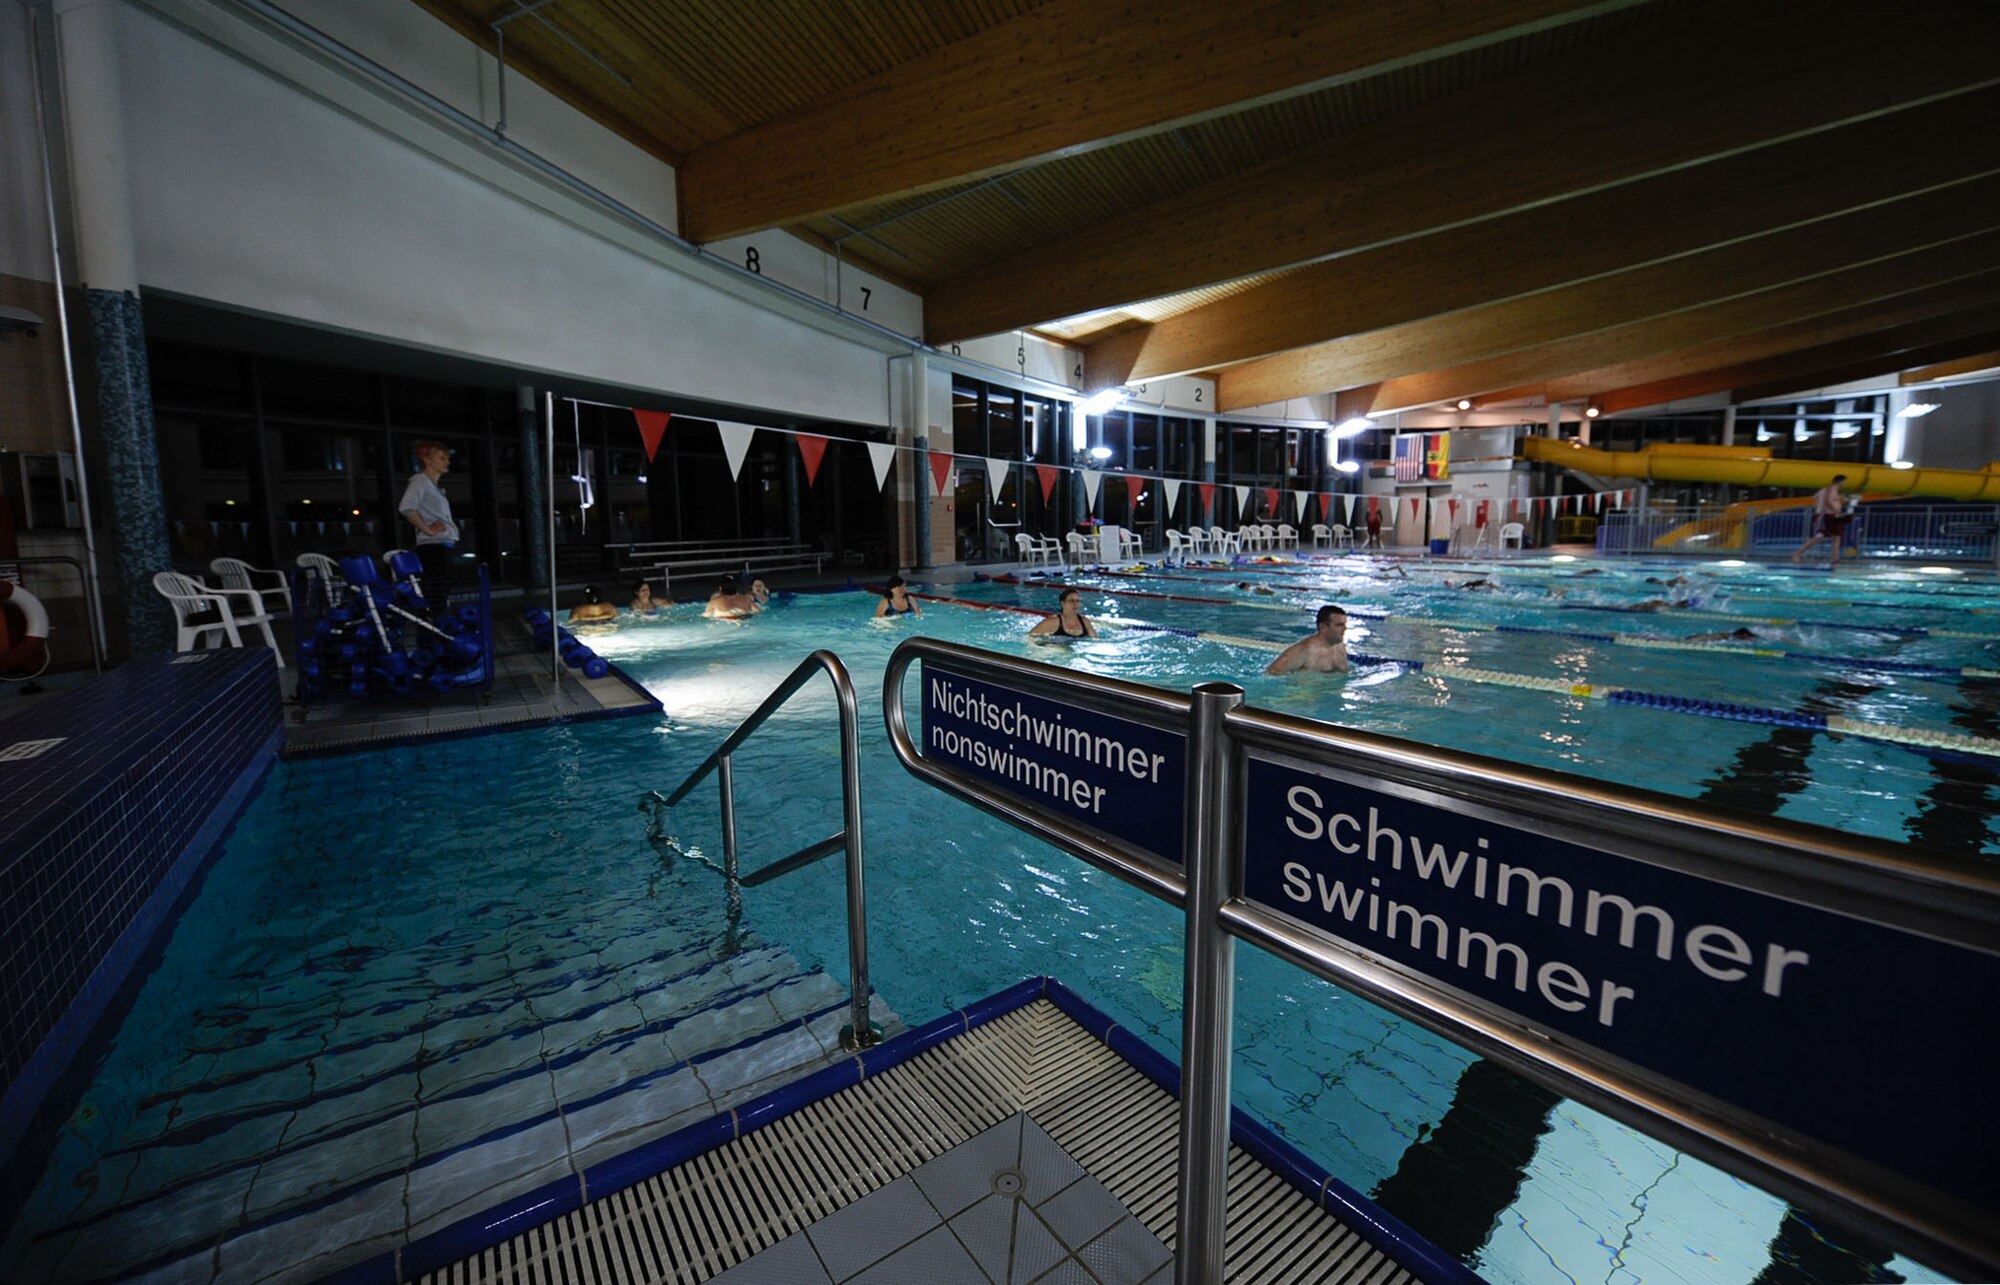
[(298, 1186)]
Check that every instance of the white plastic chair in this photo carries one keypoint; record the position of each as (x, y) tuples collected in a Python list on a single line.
[(201, 612), (1223, 541), (1081, 546), (1249, 538), (1032, 549), (1177, 544), (1322, 537), (1129, 543), (1512, 533), (238, 574), (1269, 535), (328, 572), (1197, 539), (1288, 536), (1343, 537)]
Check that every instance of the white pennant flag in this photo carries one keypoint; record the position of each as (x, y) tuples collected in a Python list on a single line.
[(1173, 493), (1600, 501), (881, 455), (735, 444), (1242, 504), (1298, 506), (1091, 477), (996, 477)]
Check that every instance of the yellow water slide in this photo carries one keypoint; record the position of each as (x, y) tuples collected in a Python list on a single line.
[(1753, 466)]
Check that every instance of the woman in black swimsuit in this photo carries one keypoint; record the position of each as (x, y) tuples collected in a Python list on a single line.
[(1068, 622), (896, 600)]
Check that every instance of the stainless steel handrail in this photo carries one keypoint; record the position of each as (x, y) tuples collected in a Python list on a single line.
[(860, 1033), (1935, 895)]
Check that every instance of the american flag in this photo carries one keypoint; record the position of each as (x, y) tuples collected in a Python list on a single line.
[(1409, 457)]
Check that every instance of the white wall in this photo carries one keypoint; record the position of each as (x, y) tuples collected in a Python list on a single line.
[(1964, 430), (24, 224), (265, 179)]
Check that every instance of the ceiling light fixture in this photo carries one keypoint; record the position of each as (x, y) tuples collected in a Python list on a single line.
[(1591, 412), (1100, 453), (1100, 402), (1901, 464), (1464, 404)]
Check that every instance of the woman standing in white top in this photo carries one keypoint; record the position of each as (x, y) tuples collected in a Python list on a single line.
[(428, 510)]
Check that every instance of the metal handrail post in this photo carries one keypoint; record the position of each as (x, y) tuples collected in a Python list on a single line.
[(1208, 990), (861, 1033), (725, 776)]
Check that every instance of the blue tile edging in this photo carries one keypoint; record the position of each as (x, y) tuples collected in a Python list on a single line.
[(468, 1236)]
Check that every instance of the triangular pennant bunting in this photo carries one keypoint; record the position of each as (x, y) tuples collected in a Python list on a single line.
[(735, 444), (812, 449), (1242, 504), (1091, 477), (652, 427), (881, 455), (1374, 508), (1325, 504), (1173, 490), (1207, 501), (996, 477), (1135, 487), (1298, 506), (1451, 507), (1270, 501), (1046, 474), (941, 469)]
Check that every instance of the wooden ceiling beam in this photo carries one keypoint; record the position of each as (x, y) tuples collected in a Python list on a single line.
[(1775, 379), (1661, 97), (1922, 316), (1065, 77), (1952, 369), (1740, 268), (1893, 346), (1617, 228), (1822, 311)]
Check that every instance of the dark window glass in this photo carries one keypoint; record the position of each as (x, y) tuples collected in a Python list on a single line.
[(191, 378), (321, 393), (1003, 425), (965, 418), (1145, 444), (1115, 436)]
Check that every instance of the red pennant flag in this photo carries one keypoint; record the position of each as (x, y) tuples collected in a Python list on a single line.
[(1047, 475), (1451, 508), (1270, 501), (1481, 519), (1135, 487), (1325, 504), (1208, 500), (812, 448), (1416, 508), (1374, 508), (652, 427), (941, 468)]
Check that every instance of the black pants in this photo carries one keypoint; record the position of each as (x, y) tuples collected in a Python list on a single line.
[(437, 560)]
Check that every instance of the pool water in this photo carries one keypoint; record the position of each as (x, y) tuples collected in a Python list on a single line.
[(484, 878)]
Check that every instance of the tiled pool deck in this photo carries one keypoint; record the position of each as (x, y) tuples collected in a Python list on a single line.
[(523, 695)]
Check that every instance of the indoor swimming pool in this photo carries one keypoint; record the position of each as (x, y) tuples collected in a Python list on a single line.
[(413, 975)]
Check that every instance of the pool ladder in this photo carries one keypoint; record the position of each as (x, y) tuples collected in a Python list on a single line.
[(859, 1033)]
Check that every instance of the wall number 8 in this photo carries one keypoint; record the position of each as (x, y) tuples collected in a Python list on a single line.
[(751, 261)]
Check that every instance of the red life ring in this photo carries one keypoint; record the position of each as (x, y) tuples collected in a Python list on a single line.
[(31, 652)]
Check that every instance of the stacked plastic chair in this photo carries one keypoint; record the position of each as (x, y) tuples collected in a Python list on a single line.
[(387, 637)]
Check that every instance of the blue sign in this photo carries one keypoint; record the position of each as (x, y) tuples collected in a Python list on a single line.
[(1058, 759), (1868, 1038)]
